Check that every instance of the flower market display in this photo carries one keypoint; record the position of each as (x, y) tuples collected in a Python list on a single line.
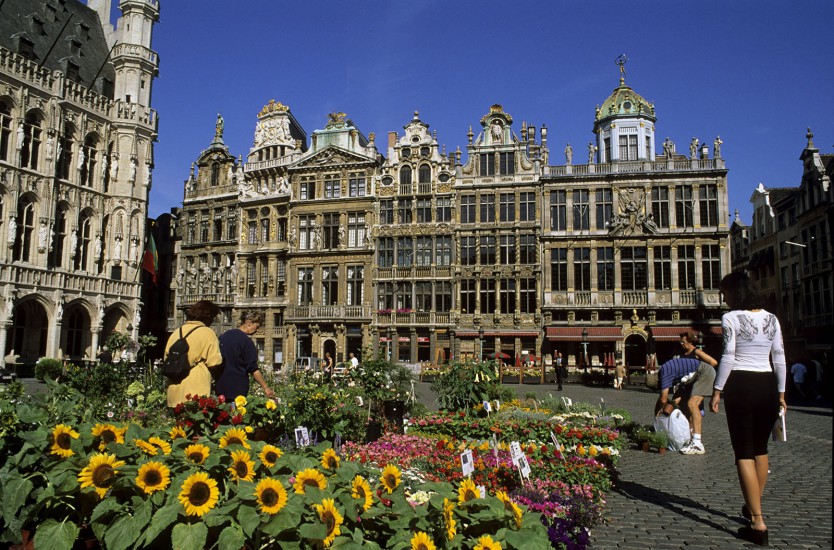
[(300, 470)]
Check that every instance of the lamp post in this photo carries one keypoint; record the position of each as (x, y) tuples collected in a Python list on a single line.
[(585, 347), (699, 337), (481, 344)]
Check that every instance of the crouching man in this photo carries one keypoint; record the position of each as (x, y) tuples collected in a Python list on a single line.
[(688, 381)]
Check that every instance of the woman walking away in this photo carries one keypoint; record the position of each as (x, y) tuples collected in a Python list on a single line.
[(753, 391)]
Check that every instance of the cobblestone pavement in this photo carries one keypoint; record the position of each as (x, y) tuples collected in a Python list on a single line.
[(678, 501)]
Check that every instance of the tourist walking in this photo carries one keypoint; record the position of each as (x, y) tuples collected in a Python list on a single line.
[(620, 372), (561, 373), (240, 359), (753, 391), (798, 372), (203, 352)]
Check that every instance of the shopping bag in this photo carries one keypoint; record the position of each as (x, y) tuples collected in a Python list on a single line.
[(676, 428)]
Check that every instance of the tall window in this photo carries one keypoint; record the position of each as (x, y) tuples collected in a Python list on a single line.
[(488, 297), (31, 147), (662, 268), (405, 180), (605, 268), (217, 226), (191, 232), (305, 286), (331, 230), (443, 296), (507, 207), (424, 251), (65, 152), (708, 195), (686, 267), (711, 265), (527, 249), (467, 251), (423, 210), (88, 166), (507, 295), (265, 229), (683, 205), (57, 255), (559, 269), (204, 226), (605, 207), (305, 232), (356, 185), (606, 146), (633, 267), (443, 250), (425, 173), (487, 161), (558, 210), (385, 296), (527, 207), (527, 295), (582, 268), (264, 277), (332, 186), (467, 296), (628, 147), (5, 130), (215, 173), (405, 252), (251, 281), (356, 229), (307, 188), (581, 210), (355, 285), (252, 228), (25, 229), (231, 225), (507, 167), (422, 296), (404, 211), (660, 206), (386, 212), (467, 209), (487, 208), (385, 252), (444, 209), (487, 250), (402, 295), (507, 250), (329, 285)]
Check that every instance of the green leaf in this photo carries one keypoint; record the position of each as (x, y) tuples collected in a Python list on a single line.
[(189, 536), (314, 531), (56, 536), (15, 492), (231, 537), (121, 534), (104, 508), (249, 519), (163, 517), (285, 520)]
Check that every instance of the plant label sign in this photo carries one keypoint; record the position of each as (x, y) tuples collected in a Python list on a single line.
[(337, 443), (566, 401), (495, 447), (466, 465), (524, 467), (602, 404), (359, 401), (497, 405), (515, 452), (555, 441), (487, 407), (482, 490), (302, 437)]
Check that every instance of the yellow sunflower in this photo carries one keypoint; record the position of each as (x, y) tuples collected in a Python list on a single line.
[(330, 460), (270, 405), (177, 432), (271, 495), (486, 543), (100, 473), (242, 468), (449, 519), (199, 494), (270, 455), (149, 448), (108, 433), (234, 436), (161, 443), (62, 437), (510, 507), (240, 401), (468, 491), (153, 476), (197, 453), (308, 477), (421, 541), (332, 519), (390, 477), (361, 490)]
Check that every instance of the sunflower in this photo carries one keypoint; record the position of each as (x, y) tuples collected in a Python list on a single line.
[(421, 541), (332, 519), (153, 476), (240, 401), (361, 490), (510, 507), (176, 433), (100, 473), (149, 448), (486, 543), (270, 455), (271, 495), (308, 477), (197, 453), (108, 434), (449, 518), (199, 494), (234, 436), (330, 460), (242, 468), (161, 443), (391, 477), (62, 437), (468, 491)]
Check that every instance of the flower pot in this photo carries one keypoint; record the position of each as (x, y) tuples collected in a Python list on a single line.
[(644, 446), (510, 379), (532, 379), (661, 450), (428, 378)]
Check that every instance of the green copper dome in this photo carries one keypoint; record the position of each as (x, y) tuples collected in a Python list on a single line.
[(624, 102)]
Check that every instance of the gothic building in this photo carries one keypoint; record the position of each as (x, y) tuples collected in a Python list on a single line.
[(76, 157), (424, 257)]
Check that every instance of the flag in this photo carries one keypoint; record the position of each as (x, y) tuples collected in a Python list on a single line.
[(150, 261)]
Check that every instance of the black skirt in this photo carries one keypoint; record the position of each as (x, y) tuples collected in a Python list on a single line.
[(751, 400)]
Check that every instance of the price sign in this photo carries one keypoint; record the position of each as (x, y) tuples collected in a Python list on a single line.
[(302, 436), (524, 467), (487, 407), (515, 452), (359, 401), (466, 465), (497, 405), (482, 489), (567, 402), (602, 404)]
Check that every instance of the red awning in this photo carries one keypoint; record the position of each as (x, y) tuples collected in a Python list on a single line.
[(669, 334), (493, 333), (595, 334)]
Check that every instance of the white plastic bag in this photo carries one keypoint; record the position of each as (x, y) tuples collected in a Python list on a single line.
[(676, 428)]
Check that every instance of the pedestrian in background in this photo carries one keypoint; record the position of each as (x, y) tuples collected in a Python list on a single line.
[(753, 391), (240, 359), (561, 373), (620, 372), (203, 352), (798, 372)]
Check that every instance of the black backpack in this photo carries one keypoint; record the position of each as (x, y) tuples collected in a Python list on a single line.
[(176, 365)]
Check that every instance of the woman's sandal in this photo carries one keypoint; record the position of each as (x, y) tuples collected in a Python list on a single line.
[(745, 512), (756, 536)]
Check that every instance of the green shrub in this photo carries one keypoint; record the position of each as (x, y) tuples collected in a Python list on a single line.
[(47, 367)]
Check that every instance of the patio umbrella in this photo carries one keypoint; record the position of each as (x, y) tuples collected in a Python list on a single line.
[(498, 355)]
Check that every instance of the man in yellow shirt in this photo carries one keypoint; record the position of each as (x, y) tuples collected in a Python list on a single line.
[(203, 352)]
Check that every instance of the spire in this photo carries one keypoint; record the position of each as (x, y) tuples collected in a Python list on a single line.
[(810, 136)]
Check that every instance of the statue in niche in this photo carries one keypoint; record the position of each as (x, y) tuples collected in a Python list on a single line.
[(180, 275), (245, 188), (497, 132), (50, 147), (716, 147), (21, 135), (342, 235), (59, 312), (43, 233), (117, 250), (81, 159), (97, 248), (283, 185), (103, 168), (73, 242), (568, 154), (132, 175), (148, 173), (12, 230), (114, 172), (133, 256), (285, 124)]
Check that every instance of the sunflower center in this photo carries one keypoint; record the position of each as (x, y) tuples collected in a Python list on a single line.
[(331, 462), (329, 521), (108, 436), (196, 457), (360, 491), (241, 469), (103, 475), (311, 482), (422, 546), (63, 440), (271, 456), (199, 493), (269, 497), (153, 478), (234, 440), (469, 495), (390, 480)]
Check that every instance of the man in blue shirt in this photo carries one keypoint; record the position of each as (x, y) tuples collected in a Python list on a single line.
[(691, 391), (240, 359)]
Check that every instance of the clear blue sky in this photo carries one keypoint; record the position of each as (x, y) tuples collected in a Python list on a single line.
[(757, 73)]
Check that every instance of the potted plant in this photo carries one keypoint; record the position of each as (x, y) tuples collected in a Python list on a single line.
[(660, 441), (641, 436)]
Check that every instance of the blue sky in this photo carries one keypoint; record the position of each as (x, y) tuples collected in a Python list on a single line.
[(757, 73)]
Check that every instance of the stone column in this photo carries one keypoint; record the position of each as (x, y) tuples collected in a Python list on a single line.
[(96, 332), (4, 334)]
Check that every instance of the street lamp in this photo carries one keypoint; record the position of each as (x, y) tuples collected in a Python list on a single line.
[(481, 344), (585, 347)]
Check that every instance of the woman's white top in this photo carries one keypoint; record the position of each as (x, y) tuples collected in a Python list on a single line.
[(751, 340)]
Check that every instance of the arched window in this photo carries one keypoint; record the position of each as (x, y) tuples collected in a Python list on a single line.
[(65, 144), (88, 166), (215, 173), (425, 173), (25, 229), (59, 239), (85, 236), (405, 175), (31, 147), (5, 130), (105, 178)]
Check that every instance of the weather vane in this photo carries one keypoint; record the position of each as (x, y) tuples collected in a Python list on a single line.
[(621, 61)]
